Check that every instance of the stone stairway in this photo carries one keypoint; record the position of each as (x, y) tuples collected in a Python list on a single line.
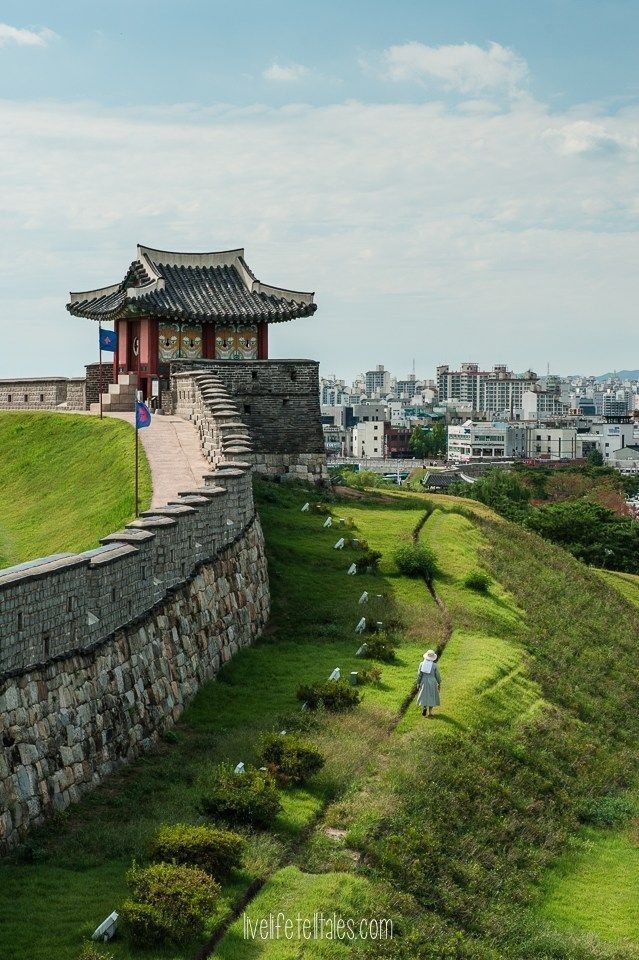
[(121, 395)]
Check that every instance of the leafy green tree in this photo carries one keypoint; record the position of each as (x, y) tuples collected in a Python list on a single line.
[(592, 533), (595, 459)]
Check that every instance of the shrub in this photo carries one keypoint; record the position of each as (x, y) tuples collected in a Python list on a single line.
[(215, 851), (145, 925), (416, 560), (292, 759), (477, 580), (171, 902), (381, 648), (249, 797), (335, 695), (610, 811), (323, 508), (372, 675), (368, 560)]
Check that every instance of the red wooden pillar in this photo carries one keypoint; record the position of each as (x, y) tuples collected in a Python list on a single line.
[(148, 360), (208, 341), (123, 347), (262, 341)]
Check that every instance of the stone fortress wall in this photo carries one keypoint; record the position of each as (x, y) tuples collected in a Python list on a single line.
[(101, 651), (277, 401), (51, 393)]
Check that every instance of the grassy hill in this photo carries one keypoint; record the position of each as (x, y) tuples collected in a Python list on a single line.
[(65, 481), (460, 830)]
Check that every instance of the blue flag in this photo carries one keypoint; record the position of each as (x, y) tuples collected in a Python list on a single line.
[(108, 340), (142, 415)]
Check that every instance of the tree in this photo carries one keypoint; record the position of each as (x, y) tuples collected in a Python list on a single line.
[(503, 491), (595, 458), (590, 532), (419, 443)]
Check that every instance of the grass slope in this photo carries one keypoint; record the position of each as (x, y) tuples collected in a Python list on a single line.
[(76, 876), (595, 888), (450, 825), (66, 481)]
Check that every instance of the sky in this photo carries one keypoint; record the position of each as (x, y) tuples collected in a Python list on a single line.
[(456, 181)]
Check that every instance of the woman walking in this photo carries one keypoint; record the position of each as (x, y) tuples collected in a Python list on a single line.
[(428, 683)]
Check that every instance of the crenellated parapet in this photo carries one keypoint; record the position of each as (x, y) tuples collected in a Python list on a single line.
[(59, 605)]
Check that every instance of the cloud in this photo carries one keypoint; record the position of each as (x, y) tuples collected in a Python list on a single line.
[(25, 38), (425, 230), (588, 137), (290, 74), (464, 67)]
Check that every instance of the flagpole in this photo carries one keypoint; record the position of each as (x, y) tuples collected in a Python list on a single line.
[(100, 368), (137, 510)]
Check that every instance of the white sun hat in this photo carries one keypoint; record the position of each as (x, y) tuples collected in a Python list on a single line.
[(430, 655)]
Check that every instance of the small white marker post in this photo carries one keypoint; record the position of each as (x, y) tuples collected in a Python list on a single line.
[(328, 522), (364, 597), (361, 652), (336, 674), (106, 930), (306, 507), (240, 768), (340, 544), (361, 626), (352, 570)]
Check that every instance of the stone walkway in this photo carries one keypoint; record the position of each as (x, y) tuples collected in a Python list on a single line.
[(172, 447)]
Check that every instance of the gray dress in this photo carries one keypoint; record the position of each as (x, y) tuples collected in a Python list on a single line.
[(427, 684)]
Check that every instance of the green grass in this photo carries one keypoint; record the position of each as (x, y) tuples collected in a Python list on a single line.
[(626, 583), (66, 481), (308, 901), (463, 823), (595, 887), (315, 610)]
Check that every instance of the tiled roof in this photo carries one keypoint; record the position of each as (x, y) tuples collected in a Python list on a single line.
[(201, 287)]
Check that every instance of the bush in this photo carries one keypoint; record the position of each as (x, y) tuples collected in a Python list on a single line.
[(334, 695), (249, 797), (416, 560), (291, 758), (610, 811), (372, 675), (477, 580), (171, 902), (145, 925), (381, 648), (215, 851), (368, 560)]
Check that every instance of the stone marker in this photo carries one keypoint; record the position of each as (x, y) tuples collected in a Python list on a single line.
[(230, 522), (361, 626), (352, 570), (342, 521), (353, 678), (340, 544), (106, 930), (328, 522), (336, 674), (364, 597), (305, 706), (362, 651), (240, 768), (306, 507), (355, 542)]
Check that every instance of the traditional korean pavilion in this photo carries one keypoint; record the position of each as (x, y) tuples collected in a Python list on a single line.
[(188, 306)]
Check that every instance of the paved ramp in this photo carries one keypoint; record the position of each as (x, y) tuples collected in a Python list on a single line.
[(172, 447)]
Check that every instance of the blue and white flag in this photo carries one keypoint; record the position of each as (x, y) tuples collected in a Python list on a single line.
[(142, 415), (108, 340)]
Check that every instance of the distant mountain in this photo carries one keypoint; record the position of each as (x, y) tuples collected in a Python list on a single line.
[(620, 374)]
